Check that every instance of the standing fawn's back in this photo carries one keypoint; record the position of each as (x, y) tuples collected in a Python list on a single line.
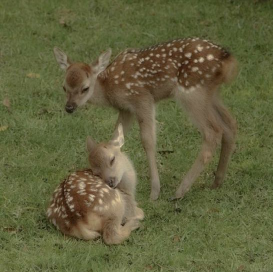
[(183, 65), (188, 70)]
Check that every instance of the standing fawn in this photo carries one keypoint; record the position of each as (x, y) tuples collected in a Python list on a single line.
[(85, 206), (188, 70)]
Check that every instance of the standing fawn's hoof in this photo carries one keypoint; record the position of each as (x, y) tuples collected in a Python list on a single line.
[(154, 195), (176, 197), (180, 193), (215, 185), (173, 198)]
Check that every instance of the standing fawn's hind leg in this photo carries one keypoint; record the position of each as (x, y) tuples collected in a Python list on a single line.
[(228, 142), (204, 157), (202, 113), (146, 120)]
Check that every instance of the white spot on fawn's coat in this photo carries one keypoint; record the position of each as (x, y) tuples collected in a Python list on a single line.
[(210, 57)]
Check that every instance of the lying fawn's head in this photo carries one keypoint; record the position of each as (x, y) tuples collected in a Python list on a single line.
[(106, 159), (80, 78)]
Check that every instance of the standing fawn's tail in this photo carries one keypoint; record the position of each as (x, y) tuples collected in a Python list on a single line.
[(230, 69)]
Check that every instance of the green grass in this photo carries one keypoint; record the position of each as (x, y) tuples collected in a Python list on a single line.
[(225, 230)]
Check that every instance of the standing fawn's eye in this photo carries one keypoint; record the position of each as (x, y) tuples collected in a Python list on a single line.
[(112, 160), (84, 90), (64, 89)]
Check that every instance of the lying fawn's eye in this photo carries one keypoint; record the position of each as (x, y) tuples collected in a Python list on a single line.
[(64, 89), (112, 160), (85, 90), (96, 172)]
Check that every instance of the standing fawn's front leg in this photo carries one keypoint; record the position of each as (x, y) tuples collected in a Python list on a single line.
[(146, 120), (125, 118), (208, 124)]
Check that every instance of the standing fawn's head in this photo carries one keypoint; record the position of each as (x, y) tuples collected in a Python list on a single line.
[(80, 78), (106, 159)]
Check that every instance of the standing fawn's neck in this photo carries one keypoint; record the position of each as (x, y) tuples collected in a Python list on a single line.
[(128, 182), (98, 97)]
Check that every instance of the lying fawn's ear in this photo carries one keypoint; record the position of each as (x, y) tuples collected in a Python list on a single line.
[(90, 144), (102, 61), (118, 138), (61, 58)]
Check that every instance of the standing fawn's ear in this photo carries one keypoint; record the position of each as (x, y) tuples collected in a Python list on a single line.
[(90, 144), (103, 61), (61, 58), (118, 139)]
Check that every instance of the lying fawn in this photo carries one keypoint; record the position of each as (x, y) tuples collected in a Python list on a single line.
[(85, 206), (188, 70)]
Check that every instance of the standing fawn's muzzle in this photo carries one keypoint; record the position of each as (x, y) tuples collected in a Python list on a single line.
[(70, 107)]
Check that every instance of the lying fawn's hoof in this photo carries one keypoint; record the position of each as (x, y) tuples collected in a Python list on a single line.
[(139, 214), (134, 224)]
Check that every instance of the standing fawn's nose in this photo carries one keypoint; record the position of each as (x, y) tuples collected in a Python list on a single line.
[(111, 182), (70, 107)]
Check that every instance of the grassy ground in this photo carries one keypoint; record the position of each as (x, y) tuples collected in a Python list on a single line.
[(225, 230)]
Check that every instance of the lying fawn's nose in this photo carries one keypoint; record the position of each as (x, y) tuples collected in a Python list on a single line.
[(111, 182)]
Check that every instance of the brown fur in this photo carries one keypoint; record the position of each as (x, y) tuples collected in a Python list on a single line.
[(76, 73), (189, 70)]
